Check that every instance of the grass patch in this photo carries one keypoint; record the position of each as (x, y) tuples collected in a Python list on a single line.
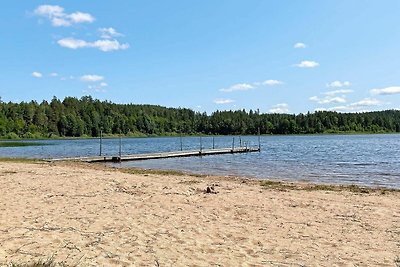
[(19, 160), (21, 144), (39, 263), (158, 172), (278, 185)]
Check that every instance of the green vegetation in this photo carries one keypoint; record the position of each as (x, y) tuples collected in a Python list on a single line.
[(40, 263), (20, 160), (17, 144), (87, 117), (278, 185)]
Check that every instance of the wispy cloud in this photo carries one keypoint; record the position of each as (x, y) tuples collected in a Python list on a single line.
[(307, 64), (340, 91), (59, 18), (91, 78), (328, 99), (280, 108), (248, 86), (103, 45), (53, 74), (365, 104), (338, 84), (238, 87), (271, 82), (331, 97), (98, 88), (299, 45), (109, 33), (392, 90), (221, 101), (37, 74)]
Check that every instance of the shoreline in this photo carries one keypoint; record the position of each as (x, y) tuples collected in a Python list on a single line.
[(86, 215), (175, 135), (265, 182)]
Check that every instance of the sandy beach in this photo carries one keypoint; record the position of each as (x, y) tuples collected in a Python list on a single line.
[(90, 215)]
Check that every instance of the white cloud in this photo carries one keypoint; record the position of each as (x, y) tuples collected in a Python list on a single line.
[(238, 87), (96, 88), (72, 43), (271, 82), (59, 18), (103, 84), (386, 91), (328, 99), (79, 17), (108, 33), (60, 22), (367, 102), (37, 74), (247, 86), (307, 64), (363, 105), (108, 45), (49, 11), (338, 84), (91, 78), (340, 91), (280, 108), (221, 101), (53, 74), (300, 45), (103, 45)]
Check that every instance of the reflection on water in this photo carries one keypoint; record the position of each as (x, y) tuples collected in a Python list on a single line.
[(371, 160)]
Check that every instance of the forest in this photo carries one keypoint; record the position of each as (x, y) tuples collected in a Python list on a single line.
[(88, 117)]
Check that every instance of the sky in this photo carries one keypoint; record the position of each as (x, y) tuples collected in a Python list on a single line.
[(277, 56)]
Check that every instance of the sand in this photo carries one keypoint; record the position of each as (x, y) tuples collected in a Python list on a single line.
[(86, 215)]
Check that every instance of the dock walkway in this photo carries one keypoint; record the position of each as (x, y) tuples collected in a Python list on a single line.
[(162, 155)]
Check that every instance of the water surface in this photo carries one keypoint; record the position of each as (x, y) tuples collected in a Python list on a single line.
[(371, 160)]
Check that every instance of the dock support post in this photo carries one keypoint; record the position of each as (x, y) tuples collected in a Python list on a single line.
[(101, 141), (213, 143), (120, 144), (259, 139), (233, 144), (181, 142), (201, 145)]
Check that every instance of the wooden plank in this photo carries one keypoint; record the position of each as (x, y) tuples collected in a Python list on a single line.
[(162, 155)]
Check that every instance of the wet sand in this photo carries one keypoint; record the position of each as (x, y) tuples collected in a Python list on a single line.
[(89, 215)]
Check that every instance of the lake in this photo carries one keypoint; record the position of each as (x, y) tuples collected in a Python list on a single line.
[(369, 160)]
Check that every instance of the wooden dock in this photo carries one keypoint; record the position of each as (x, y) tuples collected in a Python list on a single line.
[(163, 155)]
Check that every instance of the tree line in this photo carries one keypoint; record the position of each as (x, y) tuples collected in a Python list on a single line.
[(88, 117)]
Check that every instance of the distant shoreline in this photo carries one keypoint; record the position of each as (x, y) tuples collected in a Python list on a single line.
[(194, 135)]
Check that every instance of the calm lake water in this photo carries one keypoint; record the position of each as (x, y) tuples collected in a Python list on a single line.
[(371, 160)]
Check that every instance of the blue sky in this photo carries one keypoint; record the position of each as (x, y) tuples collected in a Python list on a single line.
[(275, 56)]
